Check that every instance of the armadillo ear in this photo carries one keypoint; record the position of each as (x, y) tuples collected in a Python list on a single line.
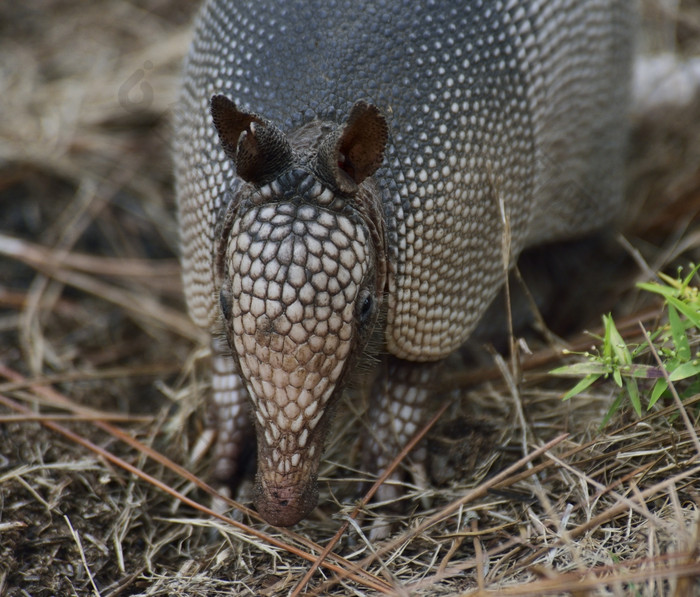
[(362, 142), (358, 150), (259, 149)]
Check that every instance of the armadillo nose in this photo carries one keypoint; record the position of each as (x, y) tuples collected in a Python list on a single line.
[(283, 506)]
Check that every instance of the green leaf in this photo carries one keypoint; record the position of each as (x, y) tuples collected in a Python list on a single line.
[(579, 369), (659, 388), (664, 291), (685, 371), (643, 371), (691, 311), (607, 343), (633, 393), (614, 407), (680, 339), (691, 275), (621, 351), (580, 386), (617, 376)]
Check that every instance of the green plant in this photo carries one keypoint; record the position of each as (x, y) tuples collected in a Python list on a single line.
[(671, 343)]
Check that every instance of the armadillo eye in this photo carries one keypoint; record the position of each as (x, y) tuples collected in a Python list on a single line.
[(225, 302), (365, 304)]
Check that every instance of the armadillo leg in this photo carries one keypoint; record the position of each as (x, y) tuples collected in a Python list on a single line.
[(230, 406), (400, 404)]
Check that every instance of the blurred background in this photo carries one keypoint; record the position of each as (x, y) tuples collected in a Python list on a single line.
[(90, 295)]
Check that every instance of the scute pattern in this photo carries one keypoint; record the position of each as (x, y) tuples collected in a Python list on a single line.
[(298, 270), (506, 123), (482, 99)]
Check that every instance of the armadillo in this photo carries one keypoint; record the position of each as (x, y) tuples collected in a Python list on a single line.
[(356, 177)]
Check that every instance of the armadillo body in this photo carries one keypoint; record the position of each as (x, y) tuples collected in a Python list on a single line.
[(349, 171)]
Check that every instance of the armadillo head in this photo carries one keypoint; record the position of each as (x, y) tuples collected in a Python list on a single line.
[(302, 270)]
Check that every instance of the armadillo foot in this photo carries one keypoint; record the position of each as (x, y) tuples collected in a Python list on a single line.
[(234, 432), (400, 405)]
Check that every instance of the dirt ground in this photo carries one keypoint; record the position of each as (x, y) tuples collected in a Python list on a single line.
[(103, 378)]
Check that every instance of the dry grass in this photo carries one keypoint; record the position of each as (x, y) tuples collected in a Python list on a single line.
[(102, 376)]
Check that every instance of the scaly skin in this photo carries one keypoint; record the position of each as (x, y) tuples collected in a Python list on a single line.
[(301, 279), (349, 171)]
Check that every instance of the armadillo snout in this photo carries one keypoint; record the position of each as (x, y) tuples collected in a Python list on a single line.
[(285, 505), (297, 273)]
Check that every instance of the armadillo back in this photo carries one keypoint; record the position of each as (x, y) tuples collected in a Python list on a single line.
[(505, 106)]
